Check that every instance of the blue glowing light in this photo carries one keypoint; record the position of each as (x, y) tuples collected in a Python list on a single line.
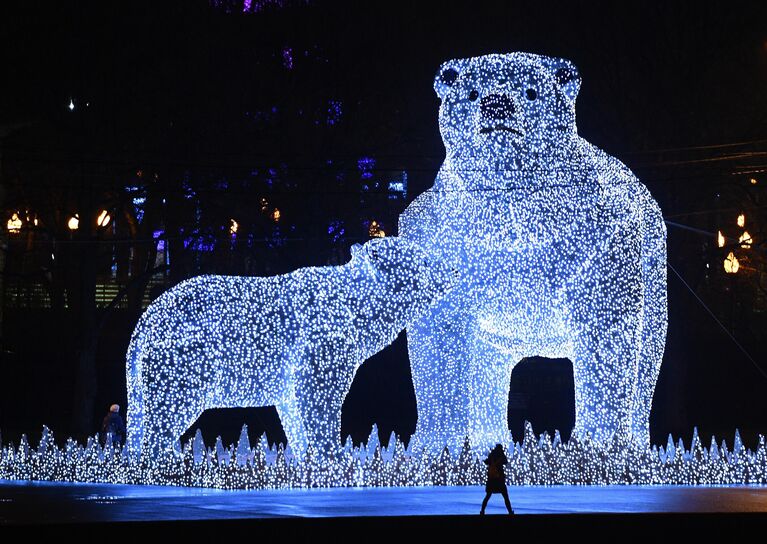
[(559, 251), (287, 57), (398, 186), (189, 192), (365, 165), (335, 111), (138, 194), (337, 230), (203, 242), (157, 235)]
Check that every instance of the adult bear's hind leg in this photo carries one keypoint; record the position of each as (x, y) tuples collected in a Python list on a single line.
[(654, 319), (604, 370)]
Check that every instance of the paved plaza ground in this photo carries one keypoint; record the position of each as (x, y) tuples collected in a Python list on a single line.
[(442, 510)]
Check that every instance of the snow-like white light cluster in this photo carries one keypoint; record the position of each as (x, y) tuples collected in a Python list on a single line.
[(534, 461), (293, 341), (561, 250)]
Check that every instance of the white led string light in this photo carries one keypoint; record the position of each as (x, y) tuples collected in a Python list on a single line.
[(535, 461), (559, 251), (293, 341), (562, 253)]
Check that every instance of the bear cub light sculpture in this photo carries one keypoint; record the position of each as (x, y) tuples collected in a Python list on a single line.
[(293, 341)]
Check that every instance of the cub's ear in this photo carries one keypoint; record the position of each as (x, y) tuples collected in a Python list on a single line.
[(447, 76), (566, 78), (356, 250)]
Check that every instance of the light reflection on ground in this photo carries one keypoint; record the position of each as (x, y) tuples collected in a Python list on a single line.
[(41, 502)]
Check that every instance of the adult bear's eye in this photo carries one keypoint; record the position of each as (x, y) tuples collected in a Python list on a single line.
[(531, 94), (473, 95)]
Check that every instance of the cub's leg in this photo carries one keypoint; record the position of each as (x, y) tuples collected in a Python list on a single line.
[(291, 418), (322, 379)]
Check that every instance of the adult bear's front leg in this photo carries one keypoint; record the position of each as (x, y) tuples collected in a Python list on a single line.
[(490, 377), (606, 309)]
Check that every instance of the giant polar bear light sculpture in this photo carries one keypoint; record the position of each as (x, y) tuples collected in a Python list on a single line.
[(293, 341), (562, 253)]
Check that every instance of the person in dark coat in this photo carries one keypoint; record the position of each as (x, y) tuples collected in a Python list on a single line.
[(113, 423), (496, 477)]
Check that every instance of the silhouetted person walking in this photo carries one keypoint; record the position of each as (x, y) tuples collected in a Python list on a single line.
[(496, 477), (113, 423)]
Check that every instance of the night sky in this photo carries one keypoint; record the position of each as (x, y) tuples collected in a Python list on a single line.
[(669, 88)]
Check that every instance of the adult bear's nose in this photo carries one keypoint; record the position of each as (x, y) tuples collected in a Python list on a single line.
[(496, 106)]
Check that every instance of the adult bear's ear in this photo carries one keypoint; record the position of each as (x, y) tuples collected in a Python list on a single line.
[(447, 76), (566, 78)]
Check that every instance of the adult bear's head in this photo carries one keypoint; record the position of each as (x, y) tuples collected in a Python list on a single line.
[(498, 111)]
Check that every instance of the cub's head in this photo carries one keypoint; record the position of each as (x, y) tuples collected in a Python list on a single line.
[(496, 108), (401, 270)]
